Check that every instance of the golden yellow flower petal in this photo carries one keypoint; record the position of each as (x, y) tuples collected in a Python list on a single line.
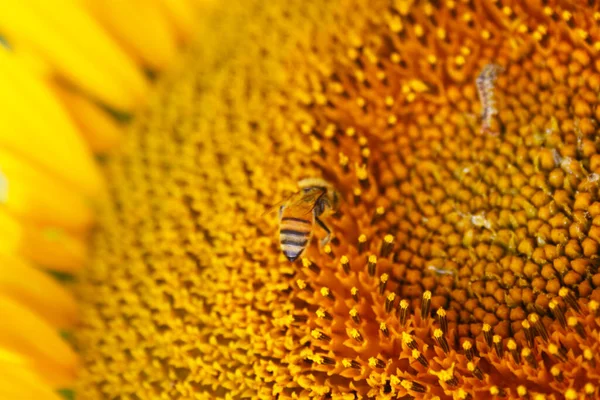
[(32, 135), (33, 62), (140, 27), (28, 335), (182, 14), (12, 234), (48, 246), (58, 66), (37, 291), (17, 381), (97, 127), (79, 51), (33, 195)]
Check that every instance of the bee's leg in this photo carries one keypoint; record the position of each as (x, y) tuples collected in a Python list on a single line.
[(325, 240), (280, 212), (319, 208)]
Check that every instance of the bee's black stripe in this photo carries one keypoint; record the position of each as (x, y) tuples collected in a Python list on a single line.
[(296, 220), (292, 232), (294, 243)]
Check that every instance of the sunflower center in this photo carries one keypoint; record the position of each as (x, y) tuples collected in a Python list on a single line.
[(461, 137)]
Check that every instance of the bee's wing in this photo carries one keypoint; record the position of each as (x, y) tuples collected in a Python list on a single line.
[(278, 205), (300, 203), (304, 202)]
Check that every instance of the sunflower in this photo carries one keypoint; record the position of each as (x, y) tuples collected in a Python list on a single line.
[(461, 136)]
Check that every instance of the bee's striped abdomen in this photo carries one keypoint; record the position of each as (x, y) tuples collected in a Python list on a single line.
[(294, 235)]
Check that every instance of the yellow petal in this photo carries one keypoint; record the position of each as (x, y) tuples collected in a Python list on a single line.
[(33, 195), (140, 27), (48, 247), (17, 382), (10, 357), (11, 233), (36, 127), (80, 51), (33, 62), (24, 333), (181, 14), (38, 291), (100, 130)]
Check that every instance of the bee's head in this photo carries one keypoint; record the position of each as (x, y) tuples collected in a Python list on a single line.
[(332, 197), (313, 183)]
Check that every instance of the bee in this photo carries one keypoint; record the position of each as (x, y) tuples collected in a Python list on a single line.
[(440, 270), (485, 84), (299, 212)]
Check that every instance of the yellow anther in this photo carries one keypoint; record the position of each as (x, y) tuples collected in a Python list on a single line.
[(571, 394), (395, 24), (361, 174), (355, 334), (589, 389), (419, 31), (418, 85)]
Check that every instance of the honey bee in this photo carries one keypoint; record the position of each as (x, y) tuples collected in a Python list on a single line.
[(299, 212), (485, 83)]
